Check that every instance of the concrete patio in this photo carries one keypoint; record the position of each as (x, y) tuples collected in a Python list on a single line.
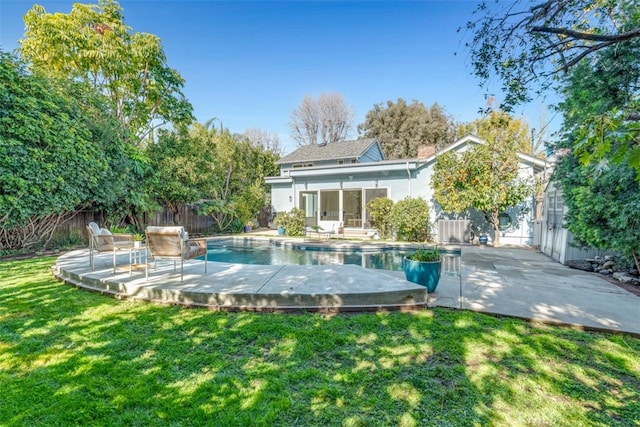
[(514, 282)]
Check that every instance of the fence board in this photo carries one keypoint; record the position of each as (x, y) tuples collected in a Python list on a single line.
[(193, 223)]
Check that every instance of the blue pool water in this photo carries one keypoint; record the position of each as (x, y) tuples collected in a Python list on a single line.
[(266, 253)]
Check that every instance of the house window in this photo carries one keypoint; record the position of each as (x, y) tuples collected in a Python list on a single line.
[(354, 161), (555, 209), (341, 162), (302, 165)]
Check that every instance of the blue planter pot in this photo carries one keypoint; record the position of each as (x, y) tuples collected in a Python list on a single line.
[(281, 231), (423, 273), (483, 240)]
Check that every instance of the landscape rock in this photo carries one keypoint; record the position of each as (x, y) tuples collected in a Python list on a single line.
[(624, 277), (579, 265)]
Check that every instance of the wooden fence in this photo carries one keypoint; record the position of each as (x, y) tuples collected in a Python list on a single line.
[(193, 223)]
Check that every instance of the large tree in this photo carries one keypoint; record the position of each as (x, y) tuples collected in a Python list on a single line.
[(528, 45), (485, 178), (58, 153), (321, 121), (603, 199), (402, 127), (209, 166), (500, 127), (92, 44)]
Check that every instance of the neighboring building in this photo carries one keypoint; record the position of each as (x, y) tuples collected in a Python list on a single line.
[(556, 241), (333, 183)]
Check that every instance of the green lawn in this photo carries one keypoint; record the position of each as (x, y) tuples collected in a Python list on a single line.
[(69, 357)]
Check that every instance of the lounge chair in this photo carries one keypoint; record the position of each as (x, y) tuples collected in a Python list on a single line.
[(172, 243), (102, 240)]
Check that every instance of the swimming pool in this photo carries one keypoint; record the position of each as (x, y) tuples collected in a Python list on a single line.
[(268, 252)]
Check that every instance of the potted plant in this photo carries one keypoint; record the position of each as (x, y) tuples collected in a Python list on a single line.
[(137, 240), (423, 267), (249, 226), (280, 221)]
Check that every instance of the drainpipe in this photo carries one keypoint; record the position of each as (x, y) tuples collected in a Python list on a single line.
[(409, 178), (293, 191)]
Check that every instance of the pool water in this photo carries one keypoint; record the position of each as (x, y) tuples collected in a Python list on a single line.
[(265, 253)]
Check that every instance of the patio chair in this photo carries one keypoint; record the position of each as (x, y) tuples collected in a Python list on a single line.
[(102, 240), (172, 243)]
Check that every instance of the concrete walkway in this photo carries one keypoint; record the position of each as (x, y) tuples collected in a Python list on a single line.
[(505, 281)]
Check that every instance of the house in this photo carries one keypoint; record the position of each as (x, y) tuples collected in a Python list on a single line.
[(333, 183)]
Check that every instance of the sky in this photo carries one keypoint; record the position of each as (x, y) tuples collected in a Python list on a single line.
[(249, 64)]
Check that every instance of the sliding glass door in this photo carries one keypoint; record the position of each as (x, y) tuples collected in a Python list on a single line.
[(352, 208), (309, 204)]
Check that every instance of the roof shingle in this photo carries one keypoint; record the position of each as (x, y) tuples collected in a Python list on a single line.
[(335, 150)]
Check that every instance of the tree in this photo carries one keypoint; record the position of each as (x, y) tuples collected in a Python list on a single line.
[(322, 121), (56, 151), (531, 47), (268, 141), (500, 127), (485, 177), (221, 172), (602, 207), (176, 176), (602, 197), (525, 43), (402, 127), (92, 44)]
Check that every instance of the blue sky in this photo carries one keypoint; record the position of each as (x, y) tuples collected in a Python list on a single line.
[(249, 64)]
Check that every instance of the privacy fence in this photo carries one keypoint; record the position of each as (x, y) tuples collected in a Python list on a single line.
[(194, 224)]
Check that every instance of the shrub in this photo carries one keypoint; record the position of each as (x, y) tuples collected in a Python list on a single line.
[(380, 211), (410, 219), (292, 222)]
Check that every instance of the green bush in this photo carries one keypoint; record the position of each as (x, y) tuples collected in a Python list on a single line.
[(410, 219), (292, 222), (380, 212)]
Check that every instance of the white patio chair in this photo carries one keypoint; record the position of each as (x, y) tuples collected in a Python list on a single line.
[(102, 240), (172, 243)]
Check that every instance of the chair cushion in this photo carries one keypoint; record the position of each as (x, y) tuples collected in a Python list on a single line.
[(95, 229)]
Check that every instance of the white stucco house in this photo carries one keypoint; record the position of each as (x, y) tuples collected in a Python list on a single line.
[(333, 183)]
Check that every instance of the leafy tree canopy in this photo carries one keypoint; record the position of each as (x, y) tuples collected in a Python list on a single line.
[(401, 128), (92, 44), (211, 165), (603, 207), (526, 43), (531, 46), (601, 195), (485, 177), (56, 153), (500, 127)]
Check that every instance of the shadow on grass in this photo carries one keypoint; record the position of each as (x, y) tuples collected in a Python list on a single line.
[(69, 357)]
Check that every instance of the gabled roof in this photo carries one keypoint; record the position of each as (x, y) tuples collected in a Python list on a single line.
[(536, 162), (333, 151)]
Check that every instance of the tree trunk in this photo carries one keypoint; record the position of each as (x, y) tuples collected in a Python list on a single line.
[(496, 228)]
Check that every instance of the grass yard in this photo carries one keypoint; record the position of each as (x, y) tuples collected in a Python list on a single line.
[(69, 357)]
